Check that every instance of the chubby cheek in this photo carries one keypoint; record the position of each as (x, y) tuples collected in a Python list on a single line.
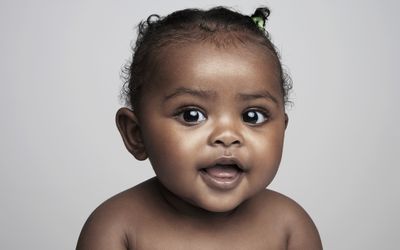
[(172, 152), (265, 156)]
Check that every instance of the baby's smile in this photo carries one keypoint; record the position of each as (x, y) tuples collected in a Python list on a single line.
[(224, 174)]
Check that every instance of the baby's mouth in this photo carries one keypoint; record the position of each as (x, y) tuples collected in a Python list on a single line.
[(223, 171), (222, 176)]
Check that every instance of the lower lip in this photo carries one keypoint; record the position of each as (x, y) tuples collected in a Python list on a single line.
[(221, 183)]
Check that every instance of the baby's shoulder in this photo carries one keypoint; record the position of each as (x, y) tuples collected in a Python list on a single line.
[(111, 223), (292, 218), (279, 204)]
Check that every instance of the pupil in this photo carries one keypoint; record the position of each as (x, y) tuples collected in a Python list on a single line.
[(250, 117), (191, 116)]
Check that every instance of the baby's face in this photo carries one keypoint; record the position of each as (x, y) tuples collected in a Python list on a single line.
[(212, 121)]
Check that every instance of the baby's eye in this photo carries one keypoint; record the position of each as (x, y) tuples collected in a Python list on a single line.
[(191, 116), (254, 117)]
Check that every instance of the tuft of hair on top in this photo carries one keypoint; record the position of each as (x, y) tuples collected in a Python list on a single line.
[(221, 26)]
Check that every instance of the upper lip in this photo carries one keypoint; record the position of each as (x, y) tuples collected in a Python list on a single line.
[(225, 160)]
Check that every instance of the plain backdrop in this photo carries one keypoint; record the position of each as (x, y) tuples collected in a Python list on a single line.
[(61, 154)]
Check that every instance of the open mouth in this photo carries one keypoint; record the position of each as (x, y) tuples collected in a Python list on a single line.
[(222, 176), (223, 171)]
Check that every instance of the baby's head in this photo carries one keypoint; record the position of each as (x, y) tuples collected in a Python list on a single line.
[(207, 95), (219, 27)]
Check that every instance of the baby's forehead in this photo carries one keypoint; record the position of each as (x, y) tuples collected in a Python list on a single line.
[(172, 59), (204, 64)]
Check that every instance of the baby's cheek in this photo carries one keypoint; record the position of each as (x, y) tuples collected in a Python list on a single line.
[(168, 155), (265, 158)]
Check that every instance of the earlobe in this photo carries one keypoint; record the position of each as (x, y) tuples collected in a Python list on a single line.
[(129, 128), (286, 120)]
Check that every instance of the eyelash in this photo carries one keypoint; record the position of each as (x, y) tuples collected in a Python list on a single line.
[(180, 112), (202, 115), (266, 115)]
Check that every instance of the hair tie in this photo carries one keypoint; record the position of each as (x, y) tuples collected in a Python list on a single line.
[(260, 17)]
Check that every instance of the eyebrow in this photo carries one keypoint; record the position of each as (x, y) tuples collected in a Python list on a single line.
[(206, 94), (262, 95)]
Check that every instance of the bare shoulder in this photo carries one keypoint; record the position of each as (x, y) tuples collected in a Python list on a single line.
[(110, 226), (301, 230)]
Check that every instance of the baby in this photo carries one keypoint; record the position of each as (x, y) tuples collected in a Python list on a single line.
[(207, 100)]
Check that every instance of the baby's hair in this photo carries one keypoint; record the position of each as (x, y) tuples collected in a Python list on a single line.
[(219, 26)]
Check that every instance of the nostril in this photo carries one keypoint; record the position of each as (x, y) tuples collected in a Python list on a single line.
[(236, 142), (219, 142), (227, 143), (225, 138)]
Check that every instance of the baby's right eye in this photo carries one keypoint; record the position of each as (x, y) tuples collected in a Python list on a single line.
[(191, 116)]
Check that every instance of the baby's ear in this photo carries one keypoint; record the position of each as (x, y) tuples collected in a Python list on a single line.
[(129, 128)]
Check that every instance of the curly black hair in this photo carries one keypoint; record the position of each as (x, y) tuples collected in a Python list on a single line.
[(220, 26)]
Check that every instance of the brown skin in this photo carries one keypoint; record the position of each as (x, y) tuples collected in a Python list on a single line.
[(179, 209)]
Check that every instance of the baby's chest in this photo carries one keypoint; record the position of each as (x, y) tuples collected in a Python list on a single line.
[(176, 238)]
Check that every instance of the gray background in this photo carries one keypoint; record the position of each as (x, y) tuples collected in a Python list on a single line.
[(61, 154)]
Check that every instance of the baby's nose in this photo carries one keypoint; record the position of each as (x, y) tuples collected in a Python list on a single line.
[(226, 134), (227, 140)]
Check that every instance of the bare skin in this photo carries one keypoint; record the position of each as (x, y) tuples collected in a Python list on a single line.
[(212, 123), (141, 218)]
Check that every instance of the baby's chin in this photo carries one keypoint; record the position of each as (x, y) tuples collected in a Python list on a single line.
[(206, 201), (219, 206)]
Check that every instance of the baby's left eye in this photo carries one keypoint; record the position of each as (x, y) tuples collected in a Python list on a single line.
[(254, 117)]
